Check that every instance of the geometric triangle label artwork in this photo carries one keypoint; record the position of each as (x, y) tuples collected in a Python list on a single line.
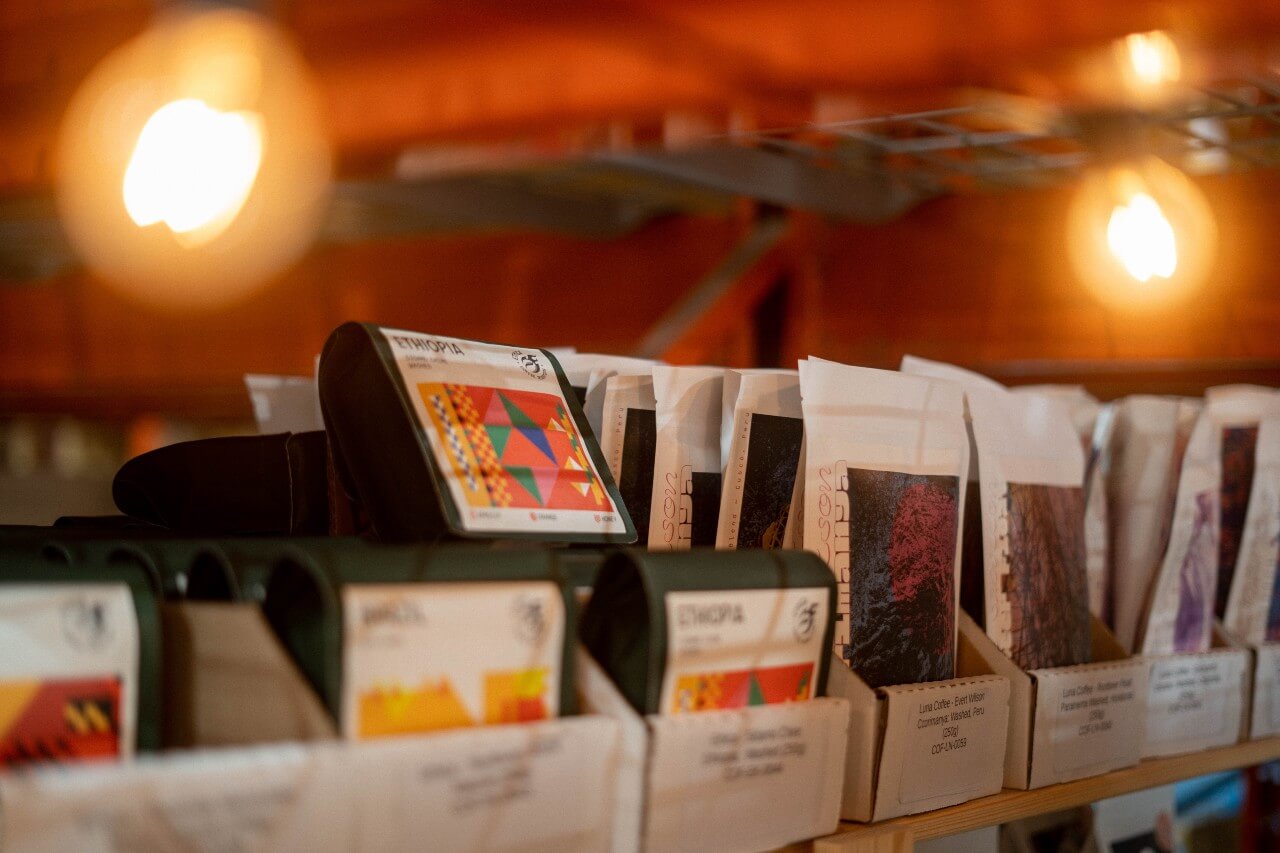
[(517, 417), (502, 458), (498, 435), (539, 439), (525, 477)]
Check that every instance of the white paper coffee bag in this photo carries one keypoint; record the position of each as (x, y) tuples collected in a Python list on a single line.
[(1180, 610), (760, 436), (1092, 422), (628, 441), (1035, 604), (685, 505), (886, 462), (599, 368), (1149, 438), (1236, 411), (1253, 608)]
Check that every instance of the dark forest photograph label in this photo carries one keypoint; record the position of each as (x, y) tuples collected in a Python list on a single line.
[(773, 457), (635, 477), (1045, 589), (901, 598)]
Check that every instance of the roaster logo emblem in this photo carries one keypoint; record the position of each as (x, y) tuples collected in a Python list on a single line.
[(530, 619), (530, 363), (805, 619), (84, 621)]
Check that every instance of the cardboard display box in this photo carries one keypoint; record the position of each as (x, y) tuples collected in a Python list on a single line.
[(546, 786), (1198, 701), (550, 785), (734, 780), (1067, 722), (228, 681), (917, 747), (1264, 666)]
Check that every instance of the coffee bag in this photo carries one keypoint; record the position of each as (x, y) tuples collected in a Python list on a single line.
[(760, 437), (886, 459), (1147, 447), (1035, 603), (628, 439), (686, 470)]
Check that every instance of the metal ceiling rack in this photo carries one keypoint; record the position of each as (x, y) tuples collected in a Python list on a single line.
[(868, 170)]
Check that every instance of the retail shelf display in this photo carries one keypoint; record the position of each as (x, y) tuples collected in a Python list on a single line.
[(898, 836)]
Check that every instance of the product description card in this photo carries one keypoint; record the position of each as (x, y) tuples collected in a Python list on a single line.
[(747, 780), (1194, 702), (736, 648), (1266, 691), (68, 672), (499, 427), (420, 657), (545, 786), (1089, 720), (952, 743)]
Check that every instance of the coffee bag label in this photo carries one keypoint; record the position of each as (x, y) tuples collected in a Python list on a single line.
[(496, 420), (420, 657), (739, 648), (69, 672)]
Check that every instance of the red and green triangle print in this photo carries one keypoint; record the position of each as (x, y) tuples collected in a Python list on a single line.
[(516, 449), (743, 688)]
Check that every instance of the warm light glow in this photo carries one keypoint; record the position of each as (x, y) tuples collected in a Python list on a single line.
[(1153, 58), (192, 169), (1142, 238), (1141, 235), (192, 165)]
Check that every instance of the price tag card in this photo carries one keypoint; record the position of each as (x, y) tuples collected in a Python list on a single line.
[(1088, 720), (1266, 691), (944, 744), (1194, 702)]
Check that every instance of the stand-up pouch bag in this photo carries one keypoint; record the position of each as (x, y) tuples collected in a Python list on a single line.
[(681, 632), (685, 506), (1150, 437), (1253, 609), (401, 640), (598, 369), (442, 437), (1179, 613), (886, 460), (628, 440), (760, 436), (1035, 599), (1092, 421), (1236, 412)]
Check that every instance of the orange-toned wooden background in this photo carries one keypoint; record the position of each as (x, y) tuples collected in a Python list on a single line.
[(980, 280)]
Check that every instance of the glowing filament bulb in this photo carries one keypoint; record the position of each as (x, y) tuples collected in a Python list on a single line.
[(192, 169), (1153, 58), (1142, 239)]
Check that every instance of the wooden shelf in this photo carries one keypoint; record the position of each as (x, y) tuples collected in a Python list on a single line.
[(896, 835)]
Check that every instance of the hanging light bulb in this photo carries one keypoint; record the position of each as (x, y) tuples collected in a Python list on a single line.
[(1142, 70), (191, 163), (1148, 62), (1141, 235)]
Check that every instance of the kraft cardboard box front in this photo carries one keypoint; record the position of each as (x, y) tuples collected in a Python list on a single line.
[(228, 681), (1068, 722), (1264, 719), (1198, 701), (917, 747)]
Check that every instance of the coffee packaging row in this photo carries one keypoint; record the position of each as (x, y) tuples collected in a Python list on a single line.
[(926, 490)]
